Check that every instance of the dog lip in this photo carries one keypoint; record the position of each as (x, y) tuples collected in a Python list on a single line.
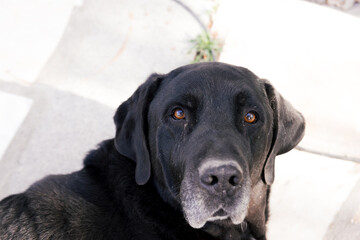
[(220, 213)]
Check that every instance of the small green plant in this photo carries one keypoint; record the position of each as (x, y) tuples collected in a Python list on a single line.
[(206, 48)]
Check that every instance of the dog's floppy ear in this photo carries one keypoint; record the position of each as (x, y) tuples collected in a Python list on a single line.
[(131, 127), (288, 129)]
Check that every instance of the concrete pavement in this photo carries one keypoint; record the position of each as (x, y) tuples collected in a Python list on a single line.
[(66, 65)]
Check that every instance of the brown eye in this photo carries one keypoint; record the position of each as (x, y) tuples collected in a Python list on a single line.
[(178, 114), (250, 117)]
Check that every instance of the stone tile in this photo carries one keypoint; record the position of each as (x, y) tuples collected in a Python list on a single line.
[(355, 10), (307, 195), (108, 50), (13, 111), (346, 224), (58, 132), (30, 31)]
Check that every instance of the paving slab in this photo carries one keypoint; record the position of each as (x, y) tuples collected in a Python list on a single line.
[(57, 133), (311, 55), (308, 197), (346, 224), (110, 48), (13, 109), (29, 32), (355, 10)]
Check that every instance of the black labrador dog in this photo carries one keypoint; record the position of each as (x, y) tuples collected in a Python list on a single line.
[(192, 158)]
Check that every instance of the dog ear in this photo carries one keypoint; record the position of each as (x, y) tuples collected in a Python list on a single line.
[(131, 127), (288, 130)]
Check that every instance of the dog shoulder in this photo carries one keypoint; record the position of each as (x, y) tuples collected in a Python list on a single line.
[(48, 209), (15, 218)]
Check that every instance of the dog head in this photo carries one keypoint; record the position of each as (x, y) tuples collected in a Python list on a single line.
[(207, 135)]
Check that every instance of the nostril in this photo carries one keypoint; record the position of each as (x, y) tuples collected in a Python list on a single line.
[(210, 180), (214, 181), (234, 180)]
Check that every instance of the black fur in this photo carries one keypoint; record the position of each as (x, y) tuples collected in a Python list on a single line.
[(102, 201), (130, 186)]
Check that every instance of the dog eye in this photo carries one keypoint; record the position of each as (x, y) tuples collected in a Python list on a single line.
[(250, 117), (178, 114)]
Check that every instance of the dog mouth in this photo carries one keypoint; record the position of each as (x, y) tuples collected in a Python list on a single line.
[(200, 208), (220, 214), (225, 216)]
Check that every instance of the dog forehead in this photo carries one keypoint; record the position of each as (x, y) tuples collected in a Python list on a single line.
[(208, 74), (207, 85)]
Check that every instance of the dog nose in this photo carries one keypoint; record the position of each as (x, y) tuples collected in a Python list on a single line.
[(221, 179)]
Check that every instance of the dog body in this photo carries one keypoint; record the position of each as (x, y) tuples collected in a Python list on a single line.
[(193, 158)]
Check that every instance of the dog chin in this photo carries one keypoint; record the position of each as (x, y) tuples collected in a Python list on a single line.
[(200, 221)]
